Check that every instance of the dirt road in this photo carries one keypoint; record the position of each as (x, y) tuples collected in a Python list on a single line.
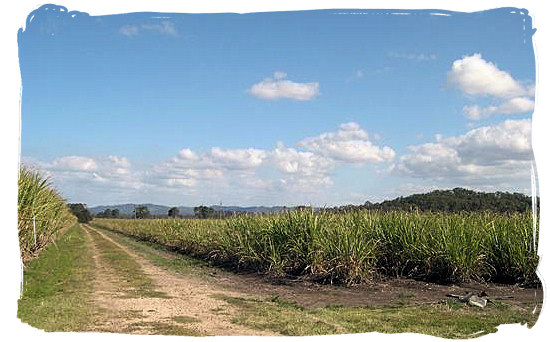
[(178, 304)]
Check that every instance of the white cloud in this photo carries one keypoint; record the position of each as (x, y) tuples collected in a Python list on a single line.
[(301, 171), (238, 158), (78, 173), (187, 154), (278, 86), (120, 161), (349, 144), (531, 90), (218, 158), (289, 160), (129, 30), (477, 77), (485, 155), (419, 57), (515, 105), (313, 183), (429, 158), (508, 140), (217, 167), (163, 27), (185, 182), (245, 169), (287, 174), (74, 163), (173, 175)]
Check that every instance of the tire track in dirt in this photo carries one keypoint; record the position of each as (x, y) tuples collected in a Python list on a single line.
[(188, 299)]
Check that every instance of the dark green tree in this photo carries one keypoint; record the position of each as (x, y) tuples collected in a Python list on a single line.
[(174, 212), (109, 213), (81, 212), (115, 213), (141, 212), (203, 211)]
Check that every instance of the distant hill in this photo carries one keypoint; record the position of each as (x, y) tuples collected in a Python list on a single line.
[(455, 200)]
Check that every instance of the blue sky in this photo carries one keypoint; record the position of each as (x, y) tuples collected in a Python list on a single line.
[(283, 108)]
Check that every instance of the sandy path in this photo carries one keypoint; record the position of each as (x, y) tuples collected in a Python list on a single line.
[(188, 297)]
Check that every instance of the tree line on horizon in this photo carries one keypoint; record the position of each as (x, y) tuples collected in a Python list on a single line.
[(454, 200)]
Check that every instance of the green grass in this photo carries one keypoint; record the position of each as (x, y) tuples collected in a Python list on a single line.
[(57, 287), (356, 246), (448, 319), (41, 213)]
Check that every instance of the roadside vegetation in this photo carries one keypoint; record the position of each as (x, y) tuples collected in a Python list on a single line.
[(447, 319), (41, 213), (57, 286), (355, 246)]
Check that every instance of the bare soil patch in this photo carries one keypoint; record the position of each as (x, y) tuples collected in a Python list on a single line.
[(315, 295)]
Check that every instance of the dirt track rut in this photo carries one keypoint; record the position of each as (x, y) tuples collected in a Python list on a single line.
[(187, 305)]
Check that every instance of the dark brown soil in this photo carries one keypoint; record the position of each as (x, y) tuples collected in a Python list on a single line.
[(311, 294)]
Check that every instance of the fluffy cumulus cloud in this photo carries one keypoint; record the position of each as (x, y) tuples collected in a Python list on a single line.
[(477, 77), (488, 154), (217, 166), (73, 163), (279, 87), (508, 140), (175, 174), (429, 159), (284, 168), (349, 144), (301, 170), (76, 174), (515, 105), (238, 158), (238, 169), (290, 160)]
